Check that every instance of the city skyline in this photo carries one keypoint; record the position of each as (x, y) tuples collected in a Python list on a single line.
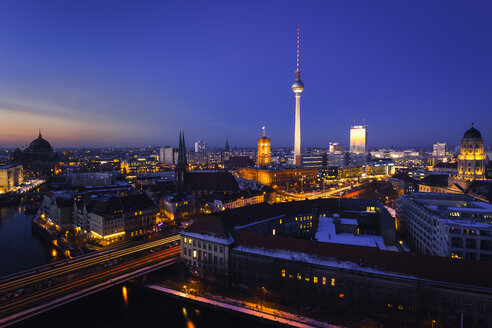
[(136, 80)]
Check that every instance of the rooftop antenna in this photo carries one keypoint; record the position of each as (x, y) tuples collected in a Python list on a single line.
[(297, 47), (263, 128)]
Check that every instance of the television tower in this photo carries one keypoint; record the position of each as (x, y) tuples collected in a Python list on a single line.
[(297, 87)]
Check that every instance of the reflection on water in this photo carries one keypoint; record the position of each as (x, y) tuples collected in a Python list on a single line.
[(142, 309), (124, 292), (20, 249)]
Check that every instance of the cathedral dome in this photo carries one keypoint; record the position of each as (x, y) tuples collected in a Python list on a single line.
[(472, 133), (40, 144)]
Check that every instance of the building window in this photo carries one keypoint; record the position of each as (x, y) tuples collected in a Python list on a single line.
[(189, 241), (221, 249), (194, 253), (199, 245), (315, 279), (273, 232), (324, 280), (333, 281), (299, 276), (185, 240), (215, 248), (283, 273)]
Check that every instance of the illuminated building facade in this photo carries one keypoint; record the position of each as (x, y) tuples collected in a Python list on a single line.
[(142, 165), (297, 87), (122, 217), (358, 139), (439, 149), (285, 178), (103, 165), (335, 147), (264, 153), (10, 176), (471, 161)]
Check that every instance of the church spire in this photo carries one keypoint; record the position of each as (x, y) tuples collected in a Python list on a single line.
[(40, 136)]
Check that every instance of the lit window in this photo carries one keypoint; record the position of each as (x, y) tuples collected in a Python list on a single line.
[(283, 272), (315, 279), (400, 307), (324, 280), (299, 276), (273, 232), (390, 305), (280, 221), (186, 240), (333, 281), (189, 241), (194, 253), (307, 279), (342, 296)]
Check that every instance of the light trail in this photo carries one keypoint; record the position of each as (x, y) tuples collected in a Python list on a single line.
[(70, 267), (58, 291)]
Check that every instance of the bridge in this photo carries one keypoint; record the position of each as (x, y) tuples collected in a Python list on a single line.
[(34, 291)]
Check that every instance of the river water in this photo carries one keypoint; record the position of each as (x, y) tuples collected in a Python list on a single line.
[(136, 307), (20, 248)]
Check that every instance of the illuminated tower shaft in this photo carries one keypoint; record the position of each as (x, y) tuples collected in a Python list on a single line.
[(297, 132), (297, 87)]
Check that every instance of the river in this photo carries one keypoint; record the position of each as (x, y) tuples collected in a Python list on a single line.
[(20, 248)]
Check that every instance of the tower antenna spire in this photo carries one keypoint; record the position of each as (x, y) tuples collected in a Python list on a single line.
[(297, 47)]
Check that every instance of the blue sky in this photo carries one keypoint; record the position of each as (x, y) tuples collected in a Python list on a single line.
[(98, 73)]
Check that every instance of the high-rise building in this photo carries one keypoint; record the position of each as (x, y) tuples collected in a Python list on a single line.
[(200, 146), (167, 155), (439, 149), (358, 139), (335, 147), (263, 158), (297, 87)]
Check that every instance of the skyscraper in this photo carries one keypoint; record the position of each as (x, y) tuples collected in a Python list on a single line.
[(200, 146), (297, 87), (358, 139), (263, 158), (167, 156), (439, 149)]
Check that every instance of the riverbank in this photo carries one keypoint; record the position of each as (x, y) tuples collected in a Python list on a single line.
[(248, 309)]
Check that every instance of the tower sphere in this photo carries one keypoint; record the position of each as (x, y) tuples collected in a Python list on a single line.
[(297, 86)]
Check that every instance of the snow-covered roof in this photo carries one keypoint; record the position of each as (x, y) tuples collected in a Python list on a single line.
[(327, 233), (315, 259), (208, 237)]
